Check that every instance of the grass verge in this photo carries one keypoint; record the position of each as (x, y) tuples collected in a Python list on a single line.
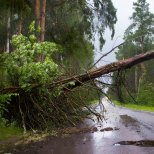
[(136, 106), (9, 131)]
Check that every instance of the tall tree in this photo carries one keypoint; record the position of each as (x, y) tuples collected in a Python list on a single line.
[(40, 12), (37, 16), (142, 28), (69, 23), (15, 11), (139, 38), (42, 22), (73, 24)]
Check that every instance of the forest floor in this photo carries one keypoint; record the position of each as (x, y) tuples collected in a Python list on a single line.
[(123, 131)]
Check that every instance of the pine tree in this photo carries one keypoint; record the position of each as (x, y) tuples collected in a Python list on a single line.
[(139, 39)]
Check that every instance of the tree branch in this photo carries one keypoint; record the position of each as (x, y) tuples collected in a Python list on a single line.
[(92, 74)]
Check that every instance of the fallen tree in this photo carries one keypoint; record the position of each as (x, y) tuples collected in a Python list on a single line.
[(42, 107), (115, 66), (78, 80)]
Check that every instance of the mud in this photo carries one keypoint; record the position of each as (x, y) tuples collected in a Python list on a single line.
[(142, 143), (109, 129), (128, 119)]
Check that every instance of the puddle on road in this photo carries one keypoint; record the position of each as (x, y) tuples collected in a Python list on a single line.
[(129, 121), (142, 143)]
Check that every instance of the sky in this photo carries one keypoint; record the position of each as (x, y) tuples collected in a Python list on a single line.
[(124, 11)]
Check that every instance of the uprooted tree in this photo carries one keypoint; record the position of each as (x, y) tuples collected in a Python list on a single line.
[(41, 96)]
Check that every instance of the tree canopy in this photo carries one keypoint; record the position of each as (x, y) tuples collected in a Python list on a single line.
[(139, 39)]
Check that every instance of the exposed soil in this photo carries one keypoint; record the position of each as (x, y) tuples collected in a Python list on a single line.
[(109, 129)]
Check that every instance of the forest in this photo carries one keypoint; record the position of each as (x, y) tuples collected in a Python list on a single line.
[(48, 74), (44, 42)]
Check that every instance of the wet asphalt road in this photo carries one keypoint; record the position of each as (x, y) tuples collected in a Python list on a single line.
[(133, 126)]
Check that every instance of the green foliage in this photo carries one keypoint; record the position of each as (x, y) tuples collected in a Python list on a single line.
[(69, 24), (145, 94), (74, 25), (14, 5), (139, 39), (23, 65), (4, 101), (30, 64), (80, 17), (32, 29), (142, 27), (139, 35), (5, 98), (87, 94)]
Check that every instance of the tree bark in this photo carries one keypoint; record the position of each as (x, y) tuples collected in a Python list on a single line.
[(142, 77), (42, 20), (8, 32), (136, 79), (40, 11), (116, 66), (37, 20), (19, 28), (92, 74)]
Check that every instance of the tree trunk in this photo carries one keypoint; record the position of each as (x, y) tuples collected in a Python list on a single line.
[(136, 79), (42, 20), (92, 74), (19, 28), (8, 32), (37, 20), (40, 11), (142, 78), (116, 66)]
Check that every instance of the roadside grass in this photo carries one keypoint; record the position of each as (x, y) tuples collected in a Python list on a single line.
[(9, 131), (135, 106)]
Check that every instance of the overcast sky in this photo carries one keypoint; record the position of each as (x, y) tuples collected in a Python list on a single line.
[(124, 11)]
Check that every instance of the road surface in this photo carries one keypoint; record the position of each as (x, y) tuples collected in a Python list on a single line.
[(130, 126)]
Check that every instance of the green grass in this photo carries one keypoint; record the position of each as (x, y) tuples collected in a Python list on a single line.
[(135, 106), (10, 131)]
